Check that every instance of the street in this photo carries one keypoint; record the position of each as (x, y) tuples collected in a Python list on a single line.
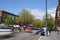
[(21, 36)]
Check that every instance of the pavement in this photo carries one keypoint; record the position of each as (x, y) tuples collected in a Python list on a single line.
[(52, 36)]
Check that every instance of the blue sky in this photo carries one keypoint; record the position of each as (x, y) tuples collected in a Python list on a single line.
[(15, 6)]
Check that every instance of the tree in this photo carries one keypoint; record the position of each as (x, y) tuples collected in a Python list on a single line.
[(37, 23), (51, 21), (43, 22), (9, 20), (25, 17)]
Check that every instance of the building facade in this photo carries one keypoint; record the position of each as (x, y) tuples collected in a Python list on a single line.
[(57, 16), (4, 15)]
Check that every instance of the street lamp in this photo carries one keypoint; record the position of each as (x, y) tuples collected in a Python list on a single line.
[(46, 20)]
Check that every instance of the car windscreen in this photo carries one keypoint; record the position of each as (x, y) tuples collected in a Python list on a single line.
[(35, 29)]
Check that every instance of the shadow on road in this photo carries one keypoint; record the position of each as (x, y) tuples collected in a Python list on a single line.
[(7, 36)]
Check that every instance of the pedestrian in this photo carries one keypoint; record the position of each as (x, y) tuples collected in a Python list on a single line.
[(24, 27), (11, 26), (18, 28), (57, 31), (50, 30), (14, 27)]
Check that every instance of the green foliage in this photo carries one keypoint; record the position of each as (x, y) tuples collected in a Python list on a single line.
[(51, 21), (25, 17), (37, 23), (43, 23), (8, 20)]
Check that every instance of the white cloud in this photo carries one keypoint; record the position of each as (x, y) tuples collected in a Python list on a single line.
[(39, 14), (52, 12)]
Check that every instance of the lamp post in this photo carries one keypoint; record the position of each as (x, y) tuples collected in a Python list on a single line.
[(46, 20)]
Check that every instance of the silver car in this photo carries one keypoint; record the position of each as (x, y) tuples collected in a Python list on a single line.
[(5, 30), (35, 31)]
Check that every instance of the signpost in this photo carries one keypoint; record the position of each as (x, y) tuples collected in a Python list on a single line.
[(46, 21)]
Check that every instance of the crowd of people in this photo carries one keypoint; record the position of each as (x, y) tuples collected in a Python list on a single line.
[(15, 28)]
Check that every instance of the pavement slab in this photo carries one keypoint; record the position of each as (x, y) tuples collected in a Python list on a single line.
[(52, 36)]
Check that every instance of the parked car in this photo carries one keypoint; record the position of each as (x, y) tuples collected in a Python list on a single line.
[(5, 30), (35, 30), (28, 29)]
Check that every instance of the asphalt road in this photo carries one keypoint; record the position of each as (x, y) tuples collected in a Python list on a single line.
[(20, 36)]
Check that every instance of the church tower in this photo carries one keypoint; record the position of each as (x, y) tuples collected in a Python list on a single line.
[(57, 16)]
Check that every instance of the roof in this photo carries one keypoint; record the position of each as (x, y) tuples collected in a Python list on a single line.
[(9, 13)]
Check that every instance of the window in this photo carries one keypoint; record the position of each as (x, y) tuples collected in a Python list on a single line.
[(58, 14), (4, 16)]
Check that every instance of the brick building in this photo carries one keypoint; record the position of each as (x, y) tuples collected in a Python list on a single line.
[(5, 14), (57, 16)]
